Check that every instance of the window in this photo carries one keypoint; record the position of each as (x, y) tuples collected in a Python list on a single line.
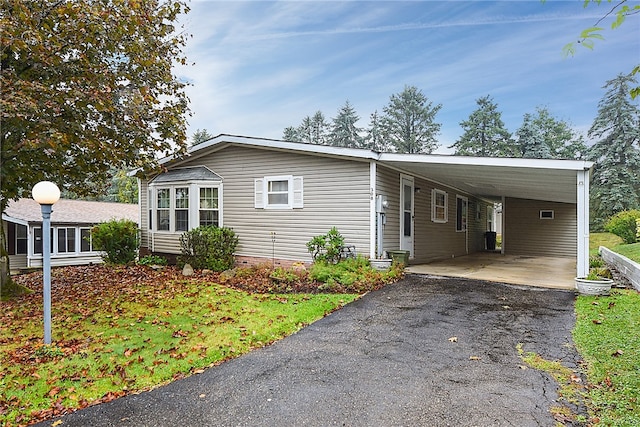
[(86, 245), (163, 205), (21, 239), (37, 240), (66, 240), (150, 203), (182, 209), (462, 205), (186, 205), (438, 206), (208, 213), (278, 192), (547, 214)]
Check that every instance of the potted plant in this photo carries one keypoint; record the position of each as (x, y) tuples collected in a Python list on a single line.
[(595, 283)]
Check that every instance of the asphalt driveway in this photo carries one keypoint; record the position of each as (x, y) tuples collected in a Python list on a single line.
[(388, 359)]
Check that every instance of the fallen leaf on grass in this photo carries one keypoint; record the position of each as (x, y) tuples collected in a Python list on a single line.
[(617, 353), (597, 321)]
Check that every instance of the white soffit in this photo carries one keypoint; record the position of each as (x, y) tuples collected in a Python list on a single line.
[(550, 180)]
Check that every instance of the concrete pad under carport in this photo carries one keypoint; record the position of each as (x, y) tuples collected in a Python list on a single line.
[(548, 272)]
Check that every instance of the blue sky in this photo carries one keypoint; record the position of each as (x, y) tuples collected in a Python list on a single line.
[(261, 66)]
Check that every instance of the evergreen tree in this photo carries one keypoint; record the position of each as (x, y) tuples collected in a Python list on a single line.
[(291, 134), (344, 132), (408, 122), (319, 129), (373, 139), (200, 135), (484, 132), (615, 183), (544, 137)]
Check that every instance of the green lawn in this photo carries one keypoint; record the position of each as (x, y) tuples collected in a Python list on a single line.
[(607, 335), (116, 331)]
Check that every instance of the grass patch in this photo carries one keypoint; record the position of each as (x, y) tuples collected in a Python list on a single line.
[(119, 330), (608, 240), (607, 335), (631, 251), (571, 389)]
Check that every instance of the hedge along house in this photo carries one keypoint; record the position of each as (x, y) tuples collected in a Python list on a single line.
[(277, 195), (71, 223)]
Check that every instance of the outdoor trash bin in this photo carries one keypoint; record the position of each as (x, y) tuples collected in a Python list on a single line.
[(399, 257), (490, 238)]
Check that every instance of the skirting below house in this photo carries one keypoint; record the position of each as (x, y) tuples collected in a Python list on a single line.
[(247, 261)]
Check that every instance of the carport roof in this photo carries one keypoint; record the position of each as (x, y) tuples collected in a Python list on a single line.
[(493, 178), (488, 177)]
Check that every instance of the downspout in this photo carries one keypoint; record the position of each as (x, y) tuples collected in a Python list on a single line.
[(582, 209), (372, 208)]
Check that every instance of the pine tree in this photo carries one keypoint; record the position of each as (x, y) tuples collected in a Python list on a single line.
[(200, 135), (319, 129), (408, 122), (484, 132), (615, 182), (373, 139), (544, 137), (291, 134), (344, 132)]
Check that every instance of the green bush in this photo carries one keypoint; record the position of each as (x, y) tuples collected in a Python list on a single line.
[(624, 225), (327, 247), (152, 260), (118, 239), (208, 247)]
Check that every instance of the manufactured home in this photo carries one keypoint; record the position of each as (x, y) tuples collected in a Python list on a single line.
[(71, 223), (276, 195)]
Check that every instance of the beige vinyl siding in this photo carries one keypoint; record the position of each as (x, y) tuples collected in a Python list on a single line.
[(60, 260), (388, 185), (336, 193), (432, 240), (17, 261), (143, 202), (526, 234)]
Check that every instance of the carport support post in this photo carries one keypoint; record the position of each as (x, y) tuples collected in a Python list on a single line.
[(583, 223)]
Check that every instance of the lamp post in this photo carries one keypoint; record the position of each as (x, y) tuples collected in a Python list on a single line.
[(46, 193)]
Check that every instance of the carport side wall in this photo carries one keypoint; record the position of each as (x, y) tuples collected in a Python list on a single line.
[(336, 193), (526, 234), (432, 240)]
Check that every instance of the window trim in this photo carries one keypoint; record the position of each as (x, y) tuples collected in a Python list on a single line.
[(295, 192), (546, 214), (462, 215), (193, 203), (434, 206)]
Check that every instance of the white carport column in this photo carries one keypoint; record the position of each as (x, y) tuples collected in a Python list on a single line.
[(583, 223), (372, 209)]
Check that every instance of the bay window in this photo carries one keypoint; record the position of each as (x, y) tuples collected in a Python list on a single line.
[(182, 206)]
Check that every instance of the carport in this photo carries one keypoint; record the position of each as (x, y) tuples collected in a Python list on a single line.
[(531, 191)]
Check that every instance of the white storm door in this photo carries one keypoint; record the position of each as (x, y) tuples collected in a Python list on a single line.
[(406, 214)]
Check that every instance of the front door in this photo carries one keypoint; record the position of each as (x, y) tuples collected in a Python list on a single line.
[(406, 214)]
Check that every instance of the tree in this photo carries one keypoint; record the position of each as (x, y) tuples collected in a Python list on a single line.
[(544, 137), (312, 130), (344, 132), (87, 85), (200, 135), (621, 10), (615, 183), (484, 132), (408, 122), (291, 134), (374, 139)]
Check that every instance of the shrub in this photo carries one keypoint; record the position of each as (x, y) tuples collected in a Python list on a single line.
[(208, 247), (327, 247), (625, 225), (152, 260), (118, 239)]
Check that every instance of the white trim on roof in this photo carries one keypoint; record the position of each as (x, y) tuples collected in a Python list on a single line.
[(440, 159)]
